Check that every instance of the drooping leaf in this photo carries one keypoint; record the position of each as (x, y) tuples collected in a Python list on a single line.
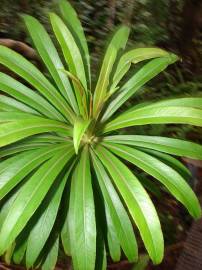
[(164, 144), (162, 172), (51, 259), (118, 213), (8, 104), (156, 115), (14, 169), (81, 216), (31, 196), (42, 228), (138, 203), (15, 131)]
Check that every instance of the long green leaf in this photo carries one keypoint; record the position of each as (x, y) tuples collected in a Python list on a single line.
[(15, 131), (80, 127), (11, 105), (117, 43), (112, 237), (29, 97), (164, 144), (51, 259), (70, 17), (145, 74), (165, 174), (42, 228), (170, 161), (134, 56), (138, 202), (25, 69), (81, 216), (30, 197), (50, 57), (117, 211), (14, 169), (69, 48), (156, 115)]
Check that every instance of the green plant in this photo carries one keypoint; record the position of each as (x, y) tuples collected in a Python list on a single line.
[(61, 174)]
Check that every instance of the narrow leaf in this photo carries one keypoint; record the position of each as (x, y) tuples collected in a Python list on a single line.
[(164, 144), (145, 74), (80, 127), (133, 57), (81, 215), (25, 69), (165, 174), (117, 211), (117, 43), (138, 202), (156, 115), (28, 96), (30, 197), (50, 57), (70, 17)]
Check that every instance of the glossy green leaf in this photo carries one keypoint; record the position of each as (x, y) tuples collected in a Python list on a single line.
[(162, 172), (70, 17), (69, 48), (14, 169), (25, 69), (28, 96), (134, 56), (50, 57), (164, 144), (10, 104), (146, 73), (117, 211), (138, 202), (81, 216), (42, 228), (170, 161), (80, 127), (51, 259), (15, 131), (112, 237), (31, 196), (156, 115), (117, 43)]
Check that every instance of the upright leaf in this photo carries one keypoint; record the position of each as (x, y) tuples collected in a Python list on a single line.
[(145, 74), (70, 17), (80, 127), (28, 96), (50, 57), (117, 43), (133, 57), (25, 69)]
